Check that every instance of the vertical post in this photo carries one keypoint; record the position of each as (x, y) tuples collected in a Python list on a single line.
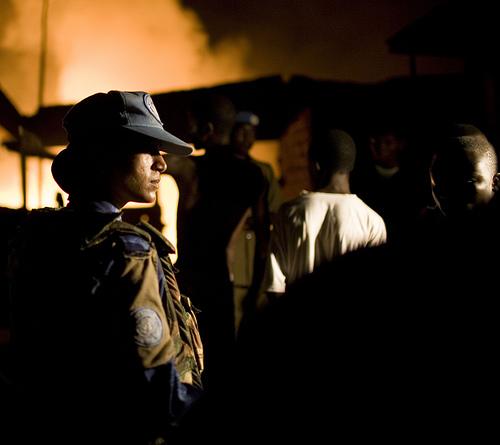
[(23, 169), (41, 83), (43, 52)]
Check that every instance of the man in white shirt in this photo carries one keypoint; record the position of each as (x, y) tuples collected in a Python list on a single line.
[(330, 221)]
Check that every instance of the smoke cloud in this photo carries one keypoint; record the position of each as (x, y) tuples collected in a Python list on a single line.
[(92, 46), (154, 45)]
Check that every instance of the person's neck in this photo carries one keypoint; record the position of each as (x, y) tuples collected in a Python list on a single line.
[(101, 202), (219, 150), (216, 142), (339, 183), (386, 172)]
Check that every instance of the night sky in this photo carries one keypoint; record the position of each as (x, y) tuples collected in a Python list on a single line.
[(166, 45), (330, 39)]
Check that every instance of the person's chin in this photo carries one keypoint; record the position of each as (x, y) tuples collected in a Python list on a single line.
[(150, 198)]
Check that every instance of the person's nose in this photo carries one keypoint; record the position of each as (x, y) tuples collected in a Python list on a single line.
[(159, 163)]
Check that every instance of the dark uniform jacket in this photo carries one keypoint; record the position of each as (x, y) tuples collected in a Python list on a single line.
[(106, 351)]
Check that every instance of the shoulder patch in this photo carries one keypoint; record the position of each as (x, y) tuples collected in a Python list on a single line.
[(148, 327)]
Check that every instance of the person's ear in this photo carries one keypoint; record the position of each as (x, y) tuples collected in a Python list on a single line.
[(496, 182)]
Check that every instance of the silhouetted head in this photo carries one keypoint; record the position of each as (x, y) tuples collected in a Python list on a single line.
[(212, 120), (463, 170), (386, 145), (337, 154), (115, 145), (243, 134)]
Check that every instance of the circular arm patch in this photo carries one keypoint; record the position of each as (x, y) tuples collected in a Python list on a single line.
[(148, 327)]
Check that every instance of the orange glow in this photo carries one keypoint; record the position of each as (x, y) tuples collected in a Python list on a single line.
[(10, 179), (268, 151), (124, 44), (154, 46), (46, 197), (168, 197)]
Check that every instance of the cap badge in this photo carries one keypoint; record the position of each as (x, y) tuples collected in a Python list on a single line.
[(151, 107)]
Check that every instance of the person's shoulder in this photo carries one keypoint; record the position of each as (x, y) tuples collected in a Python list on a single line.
[(133, 243), (162, 244), (356, 200), (250, 173), (39, 232), (250, 165), (43, 219), (364, 208), (296, 204), (46, 213), (127, 238), (266, 168), (333, 200), (291, 202)]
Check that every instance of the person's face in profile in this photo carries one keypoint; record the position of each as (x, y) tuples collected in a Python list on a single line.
[(136, 176), (461, 182)]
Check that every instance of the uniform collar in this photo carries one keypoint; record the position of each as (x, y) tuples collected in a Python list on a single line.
[(95, 206)]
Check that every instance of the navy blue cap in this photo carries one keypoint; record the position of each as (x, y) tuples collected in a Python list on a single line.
[(133, 110), (247, 117)]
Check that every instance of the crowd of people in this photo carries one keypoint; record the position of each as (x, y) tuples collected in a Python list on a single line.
[(362, 312)]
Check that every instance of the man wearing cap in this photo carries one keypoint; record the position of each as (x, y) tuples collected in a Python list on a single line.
[(107, 349), (215, 191), (243, 138)]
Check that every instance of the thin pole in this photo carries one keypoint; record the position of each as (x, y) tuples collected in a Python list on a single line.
[(41, 84), (23, 170), (43, 52)]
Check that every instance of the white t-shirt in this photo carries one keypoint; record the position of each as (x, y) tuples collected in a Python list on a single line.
[(315, 227)]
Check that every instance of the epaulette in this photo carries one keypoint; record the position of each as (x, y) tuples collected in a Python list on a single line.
[(134, 243), (132, 238)]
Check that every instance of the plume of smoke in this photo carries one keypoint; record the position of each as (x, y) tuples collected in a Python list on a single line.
[(132, 45), (112, 44), (19, 50), (154, 45)]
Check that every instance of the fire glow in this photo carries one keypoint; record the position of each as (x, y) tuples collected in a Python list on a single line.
[(153, 46)]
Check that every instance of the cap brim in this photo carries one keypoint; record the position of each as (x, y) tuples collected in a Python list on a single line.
[(168, 142)]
